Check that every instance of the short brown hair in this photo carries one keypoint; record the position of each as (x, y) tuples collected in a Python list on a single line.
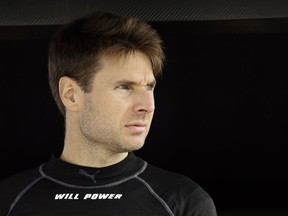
[(75, 49)]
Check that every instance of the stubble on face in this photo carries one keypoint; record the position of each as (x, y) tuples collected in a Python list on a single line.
[(100, 131)]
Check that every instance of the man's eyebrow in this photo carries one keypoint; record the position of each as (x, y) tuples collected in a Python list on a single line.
[(130, 82)]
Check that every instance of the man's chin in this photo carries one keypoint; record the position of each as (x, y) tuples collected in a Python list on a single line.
[(135, 146)]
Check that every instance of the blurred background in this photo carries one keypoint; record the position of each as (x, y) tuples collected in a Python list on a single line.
[(221, 104)]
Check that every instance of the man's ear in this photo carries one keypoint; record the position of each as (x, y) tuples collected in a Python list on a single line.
[(70, 93)]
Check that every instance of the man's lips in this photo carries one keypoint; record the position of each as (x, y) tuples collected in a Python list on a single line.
[(136, 127)]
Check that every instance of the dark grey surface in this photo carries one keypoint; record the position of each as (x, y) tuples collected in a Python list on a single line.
[(253, 212), (53, 12)]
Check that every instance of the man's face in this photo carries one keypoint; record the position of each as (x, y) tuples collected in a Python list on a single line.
[(118, 112)]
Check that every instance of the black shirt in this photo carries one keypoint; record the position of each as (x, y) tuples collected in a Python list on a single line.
[(130, 188)]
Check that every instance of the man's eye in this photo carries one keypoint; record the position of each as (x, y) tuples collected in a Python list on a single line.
[(123, 87), (150, 87)]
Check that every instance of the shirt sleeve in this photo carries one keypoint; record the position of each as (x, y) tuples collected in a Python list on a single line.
[(206, 207), (192, 200)]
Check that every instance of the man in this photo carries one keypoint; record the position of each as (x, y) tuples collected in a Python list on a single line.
[(102, 73)]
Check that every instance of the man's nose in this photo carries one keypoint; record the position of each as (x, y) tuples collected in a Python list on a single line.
[(144, 102)]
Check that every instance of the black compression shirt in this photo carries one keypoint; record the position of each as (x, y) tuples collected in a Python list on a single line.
[(129, 188)]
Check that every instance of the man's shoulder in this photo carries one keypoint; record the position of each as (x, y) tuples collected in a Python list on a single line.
[(169, 175), (159, 177), (13, 185), (179, 191), (20, 176), (18, 181)]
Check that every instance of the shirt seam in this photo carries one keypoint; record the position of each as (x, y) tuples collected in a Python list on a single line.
[(18, 197), (94, 186), (165, 205)]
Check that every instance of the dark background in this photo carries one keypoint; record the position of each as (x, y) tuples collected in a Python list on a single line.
[(221, 104)]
